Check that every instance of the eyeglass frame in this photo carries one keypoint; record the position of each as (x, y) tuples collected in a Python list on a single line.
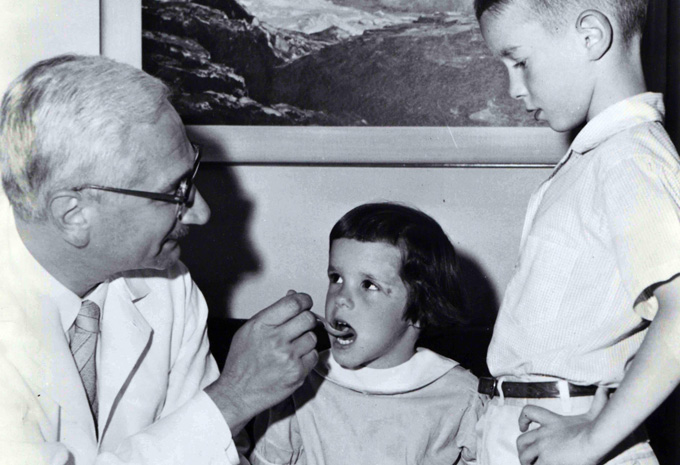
[(185, 187)]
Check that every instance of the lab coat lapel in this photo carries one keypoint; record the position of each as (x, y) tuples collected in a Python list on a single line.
[(34, 340), (56, 376), (125, 335)]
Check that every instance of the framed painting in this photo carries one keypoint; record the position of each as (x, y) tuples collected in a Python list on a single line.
[(346, 82)]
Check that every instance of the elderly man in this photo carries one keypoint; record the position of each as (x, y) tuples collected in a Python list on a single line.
[(103, 350)]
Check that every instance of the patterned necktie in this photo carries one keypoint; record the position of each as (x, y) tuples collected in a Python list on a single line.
[(83, 345)]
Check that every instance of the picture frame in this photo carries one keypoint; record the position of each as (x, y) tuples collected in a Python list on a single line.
[(343, 146)]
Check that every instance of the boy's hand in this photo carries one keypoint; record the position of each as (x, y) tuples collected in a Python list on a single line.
[(270, 356), (559, 440)]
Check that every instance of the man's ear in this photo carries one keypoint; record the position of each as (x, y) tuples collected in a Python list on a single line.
[(69, 214), (596, 33)]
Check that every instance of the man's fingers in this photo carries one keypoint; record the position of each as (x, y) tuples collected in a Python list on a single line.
[(297, 326), (534, 414), (309, 360), (304, 344), (285, 308)]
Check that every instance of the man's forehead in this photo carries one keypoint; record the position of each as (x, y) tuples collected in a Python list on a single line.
[(162, 149)]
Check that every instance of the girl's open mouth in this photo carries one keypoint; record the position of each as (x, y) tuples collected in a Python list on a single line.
[(346, 338)]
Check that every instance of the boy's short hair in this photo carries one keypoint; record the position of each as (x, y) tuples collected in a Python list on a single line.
[(629, 14), (429, 267)]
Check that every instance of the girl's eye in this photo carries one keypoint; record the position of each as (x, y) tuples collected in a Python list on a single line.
[(369, 286), (334, 278)]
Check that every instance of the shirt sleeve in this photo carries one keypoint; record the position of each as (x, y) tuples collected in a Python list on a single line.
[(642, 205), (198, 424)]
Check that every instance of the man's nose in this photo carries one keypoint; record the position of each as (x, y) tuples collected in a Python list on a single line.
[(198, 212)]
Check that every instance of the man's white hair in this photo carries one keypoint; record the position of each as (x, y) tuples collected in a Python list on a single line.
[(66, 122)]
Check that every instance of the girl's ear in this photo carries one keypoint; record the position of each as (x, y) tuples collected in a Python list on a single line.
[(596, 33), (71, 217)]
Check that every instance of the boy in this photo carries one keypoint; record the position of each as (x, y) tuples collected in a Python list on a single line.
[(595, 295)]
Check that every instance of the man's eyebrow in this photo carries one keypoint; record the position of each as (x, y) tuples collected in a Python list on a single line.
[(175, 183)]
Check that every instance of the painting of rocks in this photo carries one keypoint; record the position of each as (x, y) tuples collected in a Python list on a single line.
[(327, 62)]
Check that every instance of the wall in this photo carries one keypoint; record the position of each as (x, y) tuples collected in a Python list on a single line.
[(31, 30), (270, 225)]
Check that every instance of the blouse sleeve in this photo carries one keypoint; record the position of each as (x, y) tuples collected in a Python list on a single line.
[(467, 437), (277, 439)]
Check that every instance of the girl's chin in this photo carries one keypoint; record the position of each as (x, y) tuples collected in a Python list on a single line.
[(344, 360)]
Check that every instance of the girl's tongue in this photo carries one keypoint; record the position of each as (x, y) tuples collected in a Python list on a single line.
[(347, 338)]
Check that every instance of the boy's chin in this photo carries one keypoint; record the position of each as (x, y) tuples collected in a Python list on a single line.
[(563, 126)]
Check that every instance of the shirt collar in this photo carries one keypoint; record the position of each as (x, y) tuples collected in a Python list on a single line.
[(639, 109), (70, 307), (422, 369)]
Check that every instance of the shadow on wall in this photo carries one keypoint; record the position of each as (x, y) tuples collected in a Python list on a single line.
[(482, 297), (220, 253)]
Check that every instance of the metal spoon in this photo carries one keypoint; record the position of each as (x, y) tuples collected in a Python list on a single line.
[(330, 329)]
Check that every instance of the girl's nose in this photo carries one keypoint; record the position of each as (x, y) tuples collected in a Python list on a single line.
[(343, 298)]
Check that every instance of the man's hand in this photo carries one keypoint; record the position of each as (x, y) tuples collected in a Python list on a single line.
[(559, 440), (269, 357)]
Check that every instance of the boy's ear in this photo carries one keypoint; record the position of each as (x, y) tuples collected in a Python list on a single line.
[(71, 217), (596, 32)]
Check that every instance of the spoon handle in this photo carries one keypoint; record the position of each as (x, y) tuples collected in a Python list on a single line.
[(329, 327)]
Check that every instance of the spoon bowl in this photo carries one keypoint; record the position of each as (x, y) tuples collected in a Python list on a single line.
[(330, 329)]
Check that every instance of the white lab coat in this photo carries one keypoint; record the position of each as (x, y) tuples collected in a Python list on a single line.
[(153, 362)]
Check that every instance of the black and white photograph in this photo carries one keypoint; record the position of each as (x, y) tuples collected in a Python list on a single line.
[(340, 232)]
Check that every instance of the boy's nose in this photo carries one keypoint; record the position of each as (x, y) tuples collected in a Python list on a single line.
[(517, 89)]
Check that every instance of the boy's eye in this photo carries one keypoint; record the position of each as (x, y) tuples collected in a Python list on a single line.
[(520, 64), (369, 286), (334, 278)]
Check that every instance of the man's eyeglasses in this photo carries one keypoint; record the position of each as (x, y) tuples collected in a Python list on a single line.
[(182, 197)]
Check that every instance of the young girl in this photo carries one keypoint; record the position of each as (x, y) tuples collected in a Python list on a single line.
[(374, 398)]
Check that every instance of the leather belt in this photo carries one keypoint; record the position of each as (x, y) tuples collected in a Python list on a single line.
[(534, 390)]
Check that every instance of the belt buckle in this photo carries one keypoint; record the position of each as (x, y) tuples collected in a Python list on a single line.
[(494, 385)]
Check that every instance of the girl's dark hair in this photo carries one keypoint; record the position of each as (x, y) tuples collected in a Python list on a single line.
[(429, 267)]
